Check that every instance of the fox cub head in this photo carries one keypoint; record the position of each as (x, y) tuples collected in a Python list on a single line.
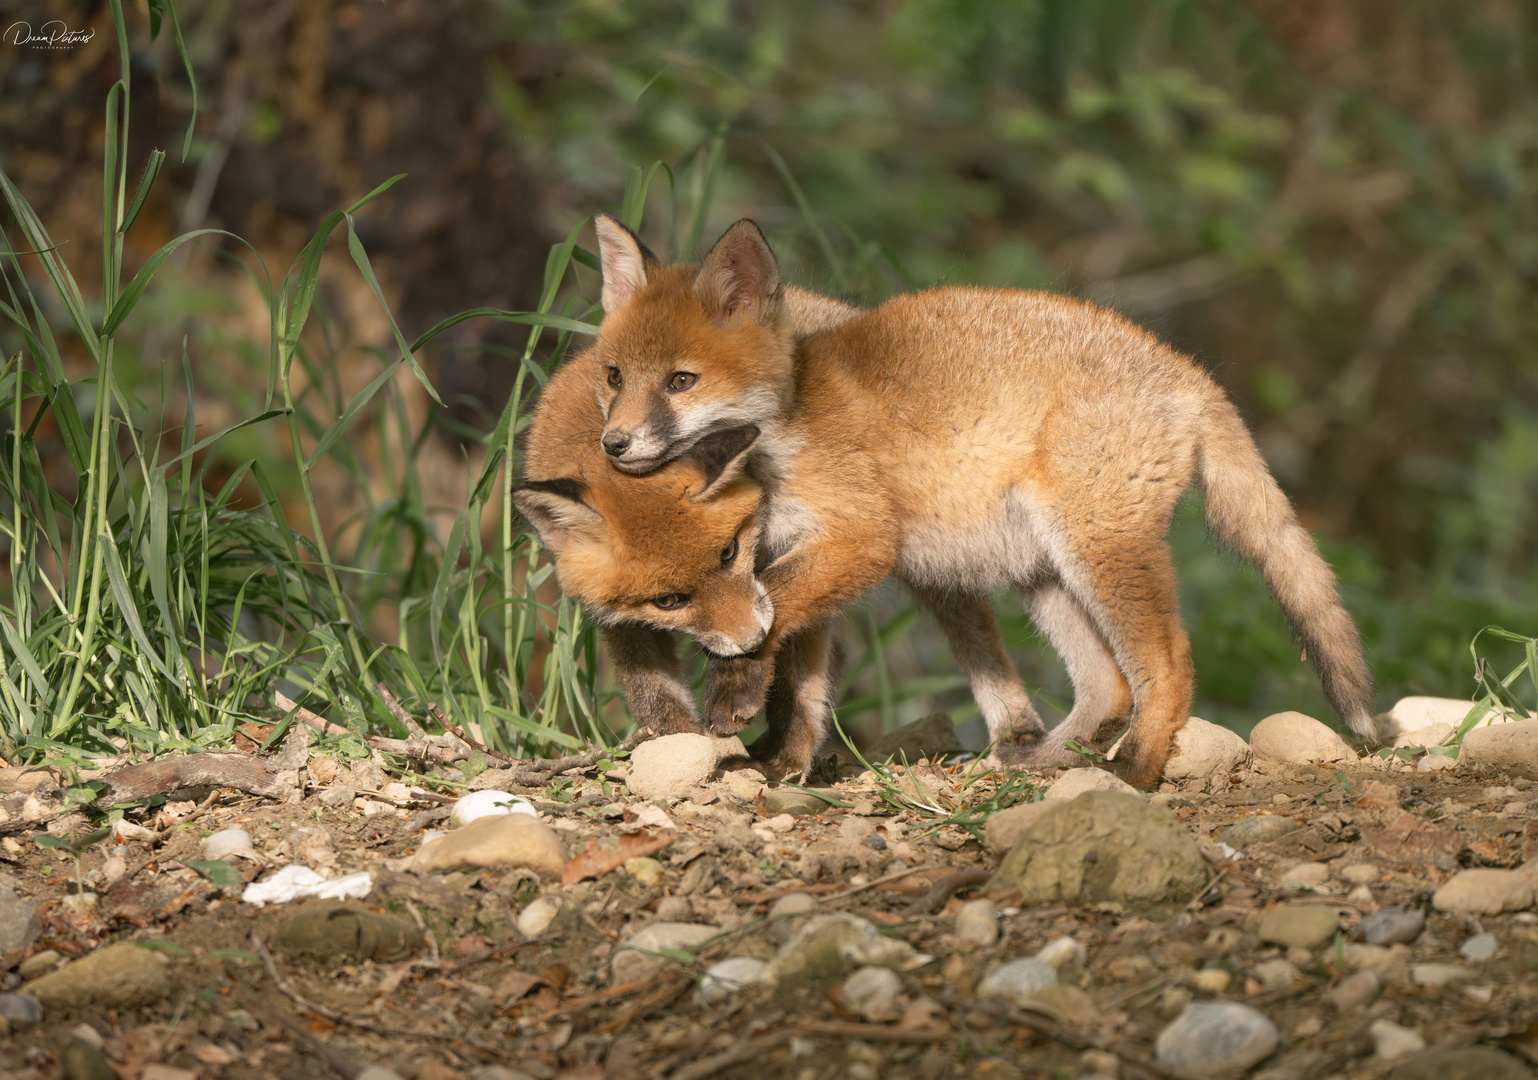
[(689, 350), (673, 550)]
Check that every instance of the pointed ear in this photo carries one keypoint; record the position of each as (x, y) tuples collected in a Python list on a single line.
[(720, 458), (740, 274), (554, 508), (624, 260)]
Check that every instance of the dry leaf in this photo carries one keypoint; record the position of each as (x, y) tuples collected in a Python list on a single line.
[(514, 985), (594, 861)]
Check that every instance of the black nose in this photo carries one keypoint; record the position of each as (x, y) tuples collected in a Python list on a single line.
[(615, 442)]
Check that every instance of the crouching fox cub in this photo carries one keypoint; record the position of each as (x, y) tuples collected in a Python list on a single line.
[(966, 440)]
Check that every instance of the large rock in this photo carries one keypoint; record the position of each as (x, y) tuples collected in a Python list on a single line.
[(1203, 750), (1216, 1039), (1102, 845), (1511, 748), (1007, 826), (1075, 782), (19, 923), (1291, 736), (1485, 892), (1417, 713), (488, 842), (674, 765), (124, 976)]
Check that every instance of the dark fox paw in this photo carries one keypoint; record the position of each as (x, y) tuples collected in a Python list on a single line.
[(736, 691)]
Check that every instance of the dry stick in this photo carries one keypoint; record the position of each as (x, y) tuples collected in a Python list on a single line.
[(449, 726), (746, 1051), (326, 1053), (398, 710), (877, 883)]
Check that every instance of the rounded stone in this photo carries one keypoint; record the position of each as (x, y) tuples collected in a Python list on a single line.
[(1004, 828), (536, 916), (674, 765), (488, 842), (1462, 1063), (1479, 948), (1063, 953), (1211, 980), (19, 922), (1392, 1042), (113, 977), (644, 870), (20, 1010), (1305, 926), (1203, 750), (225, 843), (1215, 1038), (1511, 748), (1355, 991), (1017, 980), (1391, 925), (1076, 782), (642, 952), (871, 990), (1360, 873), (727, 977), (796, 903), (977, 923), (1307, 874), (1292, 736), (1485, 892), (1259, 829)]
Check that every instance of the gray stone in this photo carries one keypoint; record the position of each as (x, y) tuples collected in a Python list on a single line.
[(1485, 892), (790, 801), (1215, 1038), (831, 946), (1355, 991), (19, 923), (120, 976), (1392, 924), (1203, 750), (1479, 948), (1017, 980), (22, 1010), (722, 980), (1260, 829), (338, 796), (977, 923), (1103, 846), (1462, 1063), (1275, 973), (639, 955), (1302, 926), (1510, 748)]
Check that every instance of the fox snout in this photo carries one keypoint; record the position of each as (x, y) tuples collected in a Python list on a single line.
[(638, 445), (748, 633)]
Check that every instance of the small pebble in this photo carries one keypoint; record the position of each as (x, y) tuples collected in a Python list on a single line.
[(1215, 1038), (1392, 924), (1392, 1042), (871, 991), (1355, 991), (1360, 873), (1275, 974), (1360, 895), (722, 980), (536, 916), (796, 903), (1017, 980), (1303, 925), (22, 1010), (1211, 980), (1065, 953), (977, 923), (338, 796), (1256, 830), (1485, 892), (1462, 1062), (1306, 875), (646, 872), (1439, 975), (38, 963), (1479, 948)]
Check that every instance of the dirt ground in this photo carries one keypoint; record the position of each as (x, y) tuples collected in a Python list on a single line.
[(470, 995)]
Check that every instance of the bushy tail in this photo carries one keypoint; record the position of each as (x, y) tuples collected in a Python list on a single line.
[(1247, 510)]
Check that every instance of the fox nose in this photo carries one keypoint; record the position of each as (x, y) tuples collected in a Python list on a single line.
[(615, 443)]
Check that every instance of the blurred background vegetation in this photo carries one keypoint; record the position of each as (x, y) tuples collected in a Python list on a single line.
[(1332, 204)]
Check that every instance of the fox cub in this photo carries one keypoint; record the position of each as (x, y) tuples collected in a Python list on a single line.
[(963, 439)]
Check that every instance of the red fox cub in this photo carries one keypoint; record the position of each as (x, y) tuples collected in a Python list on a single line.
[(596, 522), (966, 440)]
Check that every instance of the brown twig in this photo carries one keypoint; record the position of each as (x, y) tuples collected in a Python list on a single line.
[(449, 726), (877, 883), (941, 891), (398, 710), (746, 1051)]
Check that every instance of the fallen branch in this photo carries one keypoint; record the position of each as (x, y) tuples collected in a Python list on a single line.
[(236, 771)]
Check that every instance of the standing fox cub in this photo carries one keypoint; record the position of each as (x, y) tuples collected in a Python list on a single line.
[(963, 439)]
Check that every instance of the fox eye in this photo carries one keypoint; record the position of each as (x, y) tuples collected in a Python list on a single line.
[(672, 601), (615, 378), (729, 553), (680, 380)]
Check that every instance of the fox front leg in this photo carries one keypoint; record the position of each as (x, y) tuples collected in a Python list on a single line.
[(736, 690)]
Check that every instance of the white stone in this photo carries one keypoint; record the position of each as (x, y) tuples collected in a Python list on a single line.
[(1203, 750), (1439, 975), (674, 765), (1291, 736), (536, 916), (722, 980), (977, 923), (1485, 892), (479, 804), (1076, 782), (1511, 748), (1414, 713), (1215, 1038), (638, 956), (1391, 1042), (1063, 953), (1017, 980), (226, 842)]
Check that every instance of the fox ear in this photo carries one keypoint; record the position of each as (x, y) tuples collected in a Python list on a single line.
[(555, 508), (624, 260), (720, 457), (740, 274)]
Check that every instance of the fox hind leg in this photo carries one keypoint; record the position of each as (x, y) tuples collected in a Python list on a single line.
[(972, 629), (1100, 690), (800, 700)]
